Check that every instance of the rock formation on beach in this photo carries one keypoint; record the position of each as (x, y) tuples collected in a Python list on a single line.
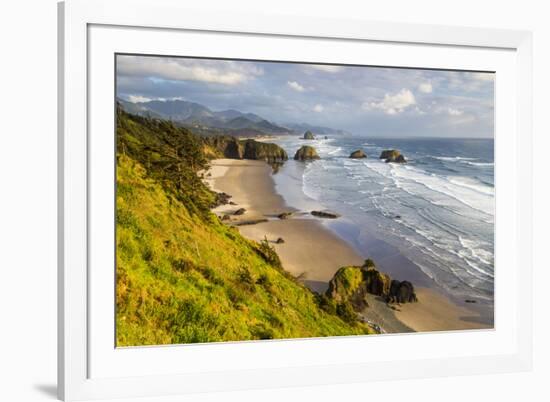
[(221, 199), (325, 214), (308, 135), (271, 153), (392, 155), (232, 148), (358, 154), (401, 292), (284, 215), (352, 284), (229, 147), (306, 153)]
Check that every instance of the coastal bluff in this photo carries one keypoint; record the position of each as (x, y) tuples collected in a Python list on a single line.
[(233, 148)]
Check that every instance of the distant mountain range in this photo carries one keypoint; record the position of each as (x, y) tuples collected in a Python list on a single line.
[(302, 127), (208, 122)]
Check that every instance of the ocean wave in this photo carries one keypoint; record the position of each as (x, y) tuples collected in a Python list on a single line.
[(480, 164), (479, 201), (472, 184), (452, 158), (338, 149)]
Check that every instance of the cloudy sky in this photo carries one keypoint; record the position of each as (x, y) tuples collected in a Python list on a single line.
[(369, 101)]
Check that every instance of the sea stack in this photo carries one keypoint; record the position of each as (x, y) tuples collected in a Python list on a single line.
[(392, 155), (358, 154), (308, 135), (306, 153)]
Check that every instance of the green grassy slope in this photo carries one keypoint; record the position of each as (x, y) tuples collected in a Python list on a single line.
[(183, 276)]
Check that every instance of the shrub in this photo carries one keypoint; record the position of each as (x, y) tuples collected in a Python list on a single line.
[(345, 312), (369, 263), (268, 253)]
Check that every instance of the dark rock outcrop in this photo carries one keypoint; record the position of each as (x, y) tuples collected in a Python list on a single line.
[(353, 283), (401, 292), (271, 153), (280, 240), (325, 214), (308, 135), (358, 154), (239, 211), (232, 148), (284, 215), (376, 282), (229, 147), (306, 153), (251, 222), (221, 199), (392, 155)]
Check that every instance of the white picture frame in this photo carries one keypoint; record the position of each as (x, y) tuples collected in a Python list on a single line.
[(90, 32)]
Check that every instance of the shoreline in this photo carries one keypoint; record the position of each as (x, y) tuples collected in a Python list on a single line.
[(313, 252)]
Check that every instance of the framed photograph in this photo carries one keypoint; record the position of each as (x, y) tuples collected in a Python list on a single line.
[(253, 201)]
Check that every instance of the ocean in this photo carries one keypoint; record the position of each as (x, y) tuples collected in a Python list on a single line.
[(437, 210)]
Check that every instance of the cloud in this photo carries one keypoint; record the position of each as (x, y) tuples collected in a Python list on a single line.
[(318, 108), (138, 98), (326, 68), (181, 69), (425, 87), (484, 76), (393, 104), (455, 112), (470, 82), (295, 86)]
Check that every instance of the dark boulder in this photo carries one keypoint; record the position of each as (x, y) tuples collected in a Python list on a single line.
[(401, 292), (284, 215), (280, 240), (306, 153), (220, 199), (325, 214), (358, 154), (399, 159), (308, 135), (239, 211), (392, 155)]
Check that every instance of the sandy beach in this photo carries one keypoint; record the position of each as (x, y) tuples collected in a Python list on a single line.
[(313, 253)]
